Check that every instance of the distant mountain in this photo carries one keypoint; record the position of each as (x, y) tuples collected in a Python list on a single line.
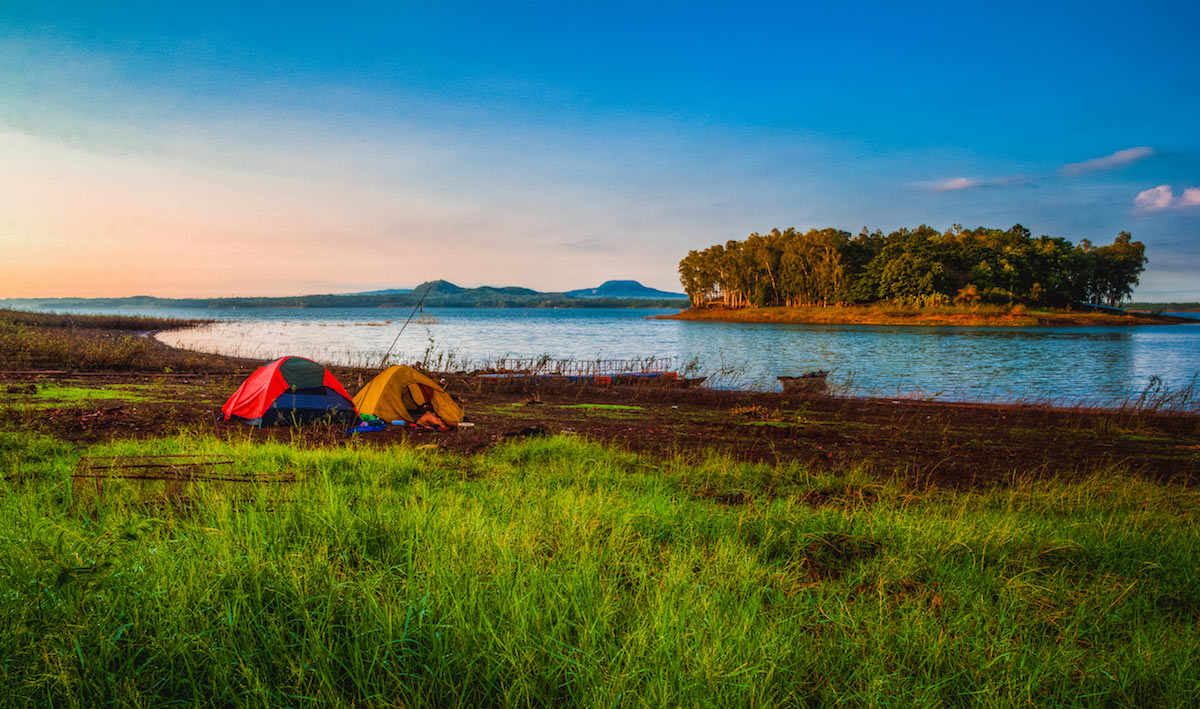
[(624, 289), (386, 291), (431, 294), (609, 289), (446, 288), (438, 287)]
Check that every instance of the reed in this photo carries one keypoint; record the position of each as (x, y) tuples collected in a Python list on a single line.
[(95, 343), (94, 322)]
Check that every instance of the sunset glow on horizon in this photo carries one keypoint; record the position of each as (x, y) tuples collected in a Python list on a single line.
[(220, 151)]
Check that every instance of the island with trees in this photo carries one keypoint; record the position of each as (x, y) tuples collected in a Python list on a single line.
[(978, 276)]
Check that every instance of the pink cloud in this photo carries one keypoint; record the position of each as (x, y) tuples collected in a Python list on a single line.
[(955, 183), (1163, 197), (1154, 199)]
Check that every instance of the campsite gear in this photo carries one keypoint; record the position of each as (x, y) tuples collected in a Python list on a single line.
[(401, 392), (430, 420), (290, 391), (369, 426)]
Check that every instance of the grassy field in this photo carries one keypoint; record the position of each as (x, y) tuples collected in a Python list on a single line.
[(555, 571), (882, 553)]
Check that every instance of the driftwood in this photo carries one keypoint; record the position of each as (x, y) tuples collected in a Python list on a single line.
[(175, 472), (810, 382)]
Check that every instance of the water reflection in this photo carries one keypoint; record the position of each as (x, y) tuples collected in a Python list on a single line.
[(978, 364)]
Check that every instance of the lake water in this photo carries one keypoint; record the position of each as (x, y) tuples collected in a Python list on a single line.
[(1066, 365)]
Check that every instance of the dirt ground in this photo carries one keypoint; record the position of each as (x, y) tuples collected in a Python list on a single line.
[(921, 442), (986, 316)]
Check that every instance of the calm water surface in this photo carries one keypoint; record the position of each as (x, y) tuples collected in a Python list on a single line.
[(968, 364)]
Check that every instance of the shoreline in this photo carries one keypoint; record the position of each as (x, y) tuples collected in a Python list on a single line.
[(953, 317), (82, 395), (92, 349)]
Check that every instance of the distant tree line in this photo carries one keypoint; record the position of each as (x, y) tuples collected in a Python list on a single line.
[(922, 267), (440, 296)]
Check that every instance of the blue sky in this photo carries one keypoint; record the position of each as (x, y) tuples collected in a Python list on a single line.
[(214, 149)]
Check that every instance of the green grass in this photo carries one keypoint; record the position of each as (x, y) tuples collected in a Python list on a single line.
[(609, 411), (617, 411), (602, 407), (50, 395), (1145, 437), (560, 572)]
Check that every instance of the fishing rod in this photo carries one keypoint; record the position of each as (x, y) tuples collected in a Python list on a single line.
[(410, 317)]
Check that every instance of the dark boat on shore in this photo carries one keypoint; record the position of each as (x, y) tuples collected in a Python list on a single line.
[(813, 382)]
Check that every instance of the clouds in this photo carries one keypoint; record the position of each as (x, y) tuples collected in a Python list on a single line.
[(1163, 197), (176, 136), (1153, 199), (957, 184), (1121, 158), (954, 184)]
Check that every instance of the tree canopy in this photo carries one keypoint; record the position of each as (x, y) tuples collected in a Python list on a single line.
[(920, 266)]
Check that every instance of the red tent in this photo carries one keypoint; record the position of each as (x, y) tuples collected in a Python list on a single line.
[(290, 390)]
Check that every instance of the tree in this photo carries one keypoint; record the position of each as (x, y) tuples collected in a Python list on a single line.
[(919, 266), (1118, 268)]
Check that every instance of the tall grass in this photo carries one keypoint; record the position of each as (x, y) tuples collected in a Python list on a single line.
[(97, 322), (1159, 397), (560, 572), (99, 343)]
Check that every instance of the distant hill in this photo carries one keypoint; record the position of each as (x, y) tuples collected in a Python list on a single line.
[(624, 289), (386, 291), (441, 294), (446, 288), (609, 289)]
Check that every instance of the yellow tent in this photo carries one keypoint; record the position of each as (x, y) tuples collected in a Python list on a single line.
[(401, 392)]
